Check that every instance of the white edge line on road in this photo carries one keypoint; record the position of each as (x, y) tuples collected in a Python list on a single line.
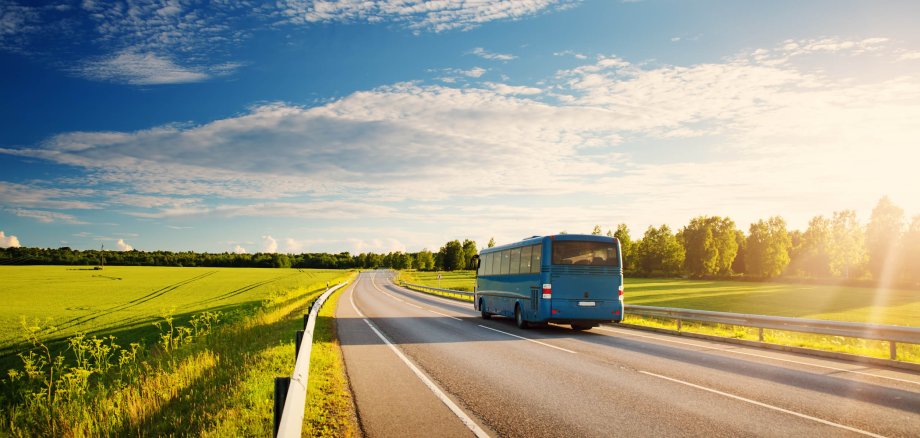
[(746, 353), (404, 301), (528, 339), (467, 421), (764, 405)]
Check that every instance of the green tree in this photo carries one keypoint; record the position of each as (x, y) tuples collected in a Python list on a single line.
[(659, 252), (883, 235), (424, 260), (469, 251), (812, 254), (738, 264), (848, 245), (626, 246), (596, 231), (767, 248), (710, 245), (451, 256), (491, 242)]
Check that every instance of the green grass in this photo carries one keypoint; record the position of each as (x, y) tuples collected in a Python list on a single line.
[(212, 382), (124, 301), (330, 407), (830, 302), (457, 280)]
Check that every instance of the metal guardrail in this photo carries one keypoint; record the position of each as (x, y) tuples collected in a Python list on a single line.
[(459, 294), (295, 387), (890, 333), (893, 334)]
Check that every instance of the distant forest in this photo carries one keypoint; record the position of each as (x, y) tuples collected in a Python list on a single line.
[(837, 247)]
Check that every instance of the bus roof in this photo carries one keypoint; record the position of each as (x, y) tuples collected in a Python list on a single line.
[(541, 239)]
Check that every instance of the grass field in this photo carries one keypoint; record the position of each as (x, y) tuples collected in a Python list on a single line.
[(839, 303), (185, 378), (124, 301)]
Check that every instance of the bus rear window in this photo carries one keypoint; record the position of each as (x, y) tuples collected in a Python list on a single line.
[(568, 252)]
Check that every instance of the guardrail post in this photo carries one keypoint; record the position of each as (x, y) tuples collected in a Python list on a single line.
[(678, 325), (760, 334), (306, 318), (893, 349), (298, 338), (281, 389)]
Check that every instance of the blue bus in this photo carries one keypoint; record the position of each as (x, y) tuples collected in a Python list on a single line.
[(565, 279)]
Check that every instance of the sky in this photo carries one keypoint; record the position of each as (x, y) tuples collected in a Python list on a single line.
[(397, 125)]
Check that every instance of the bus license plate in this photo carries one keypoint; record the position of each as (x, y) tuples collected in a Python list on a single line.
[(586, 303)]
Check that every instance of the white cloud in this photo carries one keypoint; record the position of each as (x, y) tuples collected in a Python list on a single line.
[(436, 16), (269, 244), (140, 69), (572, 53), (237, 249), (120, 245), (8, 241), (47, 217), (909, 56), (483, 53), (759, 131)]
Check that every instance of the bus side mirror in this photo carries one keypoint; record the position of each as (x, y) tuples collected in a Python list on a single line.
[(474, 263)]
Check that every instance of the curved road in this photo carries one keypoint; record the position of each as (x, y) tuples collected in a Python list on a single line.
[(424, 366)]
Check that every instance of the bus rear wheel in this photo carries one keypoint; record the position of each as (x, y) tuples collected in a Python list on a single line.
[(482, 308), (519, 318), (581, 327)]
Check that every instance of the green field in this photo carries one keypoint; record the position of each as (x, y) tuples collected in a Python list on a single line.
[(840, 303), (184, 377), (125, 300)]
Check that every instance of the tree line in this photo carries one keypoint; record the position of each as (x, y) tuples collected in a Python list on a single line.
[(452, 256), (839, 246)]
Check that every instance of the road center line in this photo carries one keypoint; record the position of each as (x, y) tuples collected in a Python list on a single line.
[(527, 339), (746, 353), (764, 405), (465, 419)]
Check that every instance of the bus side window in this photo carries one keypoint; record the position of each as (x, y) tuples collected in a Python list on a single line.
[(515, 261), (496, 263), (488, 264), (537, 256), (525, 258), (506, 262)]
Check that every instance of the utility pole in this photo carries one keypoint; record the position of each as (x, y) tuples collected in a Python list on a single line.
[(102, 257)]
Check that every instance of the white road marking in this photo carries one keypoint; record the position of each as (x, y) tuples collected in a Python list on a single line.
[(467, 421), (746, 353), (404, 301), (764, 405), (528, 339)]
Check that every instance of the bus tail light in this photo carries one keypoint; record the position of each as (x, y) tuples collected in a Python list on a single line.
[(547, 291), (621, 292)]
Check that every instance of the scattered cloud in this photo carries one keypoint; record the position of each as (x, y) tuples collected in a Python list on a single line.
[(47, 217), (483, 53), (269, 244), (120, 245), (140, 69), (576, 55), (237, 249), (419, 15), (8, 241)]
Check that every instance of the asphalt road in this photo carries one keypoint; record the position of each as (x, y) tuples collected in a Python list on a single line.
[(474, 376)]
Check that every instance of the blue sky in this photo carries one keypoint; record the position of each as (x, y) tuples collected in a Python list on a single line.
[(310, 125)]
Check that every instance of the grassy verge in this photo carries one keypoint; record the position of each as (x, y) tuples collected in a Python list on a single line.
[(457, 280), (215, 382), (330, 410), (837, 344)]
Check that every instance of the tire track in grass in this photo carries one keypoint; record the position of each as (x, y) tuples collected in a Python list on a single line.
[(133, 303)]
